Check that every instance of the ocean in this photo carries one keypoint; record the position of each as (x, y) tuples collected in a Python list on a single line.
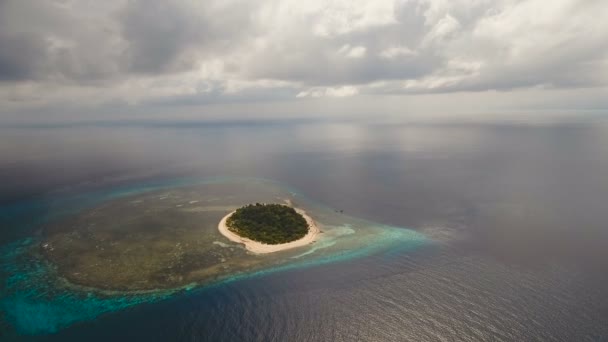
[(500, 230)]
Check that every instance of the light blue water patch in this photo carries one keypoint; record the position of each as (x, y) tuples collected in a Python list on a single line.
[(325, 242), (318, 246), (394, 240)]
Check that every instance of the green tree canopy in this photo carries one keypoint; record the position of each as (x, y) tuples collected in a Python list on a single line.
[(268, 223)]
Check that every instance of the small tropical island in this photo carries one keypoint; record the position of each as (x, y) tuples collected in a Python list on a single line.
[(267, 228)]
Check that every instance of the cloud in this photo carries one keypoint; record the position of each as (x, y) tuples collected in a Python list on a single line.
[(396, 52), (344, 91), (353, 52), (58, 41), (188, 51), (22, 56), (173, 36), (160, 35)]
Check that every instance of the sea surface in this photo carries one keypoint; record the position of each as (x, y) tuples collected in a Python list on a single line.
[(512, 219)]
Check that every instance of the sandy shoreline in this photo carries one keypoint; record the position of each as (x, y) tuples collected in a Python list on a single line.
[(262, 248)]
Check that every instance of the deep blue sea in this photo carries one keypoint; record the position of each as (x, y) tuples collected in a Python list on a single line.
[(515, 215)]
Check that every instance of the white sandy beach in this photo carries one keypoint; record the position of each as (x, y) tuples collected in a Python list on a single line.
[(262, 248)]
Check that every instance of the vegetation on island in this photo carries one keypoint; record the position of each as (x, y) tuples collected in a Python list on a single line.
[(268, 223)]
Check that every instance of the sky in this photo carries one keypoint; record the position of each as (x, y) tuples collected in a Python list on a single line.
[(91, 60)]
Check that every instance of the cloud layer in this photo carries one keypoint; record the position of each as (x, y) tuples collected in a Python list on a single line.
[(233, 50)]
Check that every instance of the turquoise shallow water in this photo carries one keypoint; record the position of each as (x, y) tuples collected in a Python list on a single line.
[(35, 300)]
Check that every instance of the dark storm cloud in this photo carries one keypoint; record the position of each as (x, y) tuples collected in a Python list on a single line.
[(22, 56), (54, 41), (73, 41), (159, 33), (165, 36)]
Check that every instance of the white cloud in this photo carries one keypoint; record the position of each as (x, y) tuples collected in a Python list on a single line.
[(341, 17), (353, 52), (441, 30), (344, 91), (396, 52), (138, 51)]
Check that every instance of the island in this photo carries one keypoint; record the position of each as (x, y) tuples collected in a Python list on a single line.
[(267, 228)]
